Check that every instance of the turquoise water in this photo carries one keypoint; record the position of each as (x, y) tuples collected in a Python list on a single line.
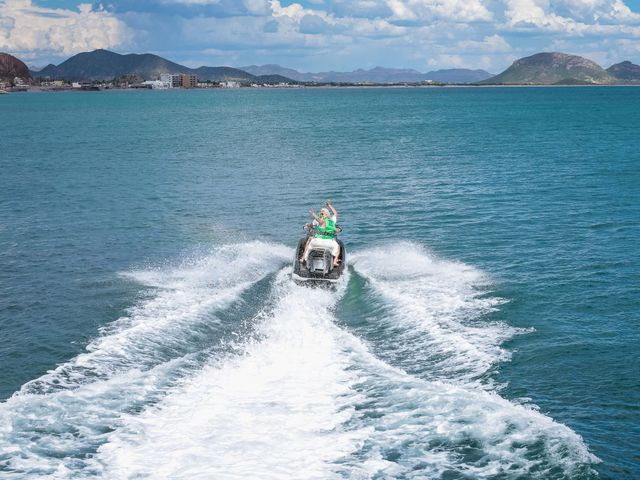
[(487, 328)]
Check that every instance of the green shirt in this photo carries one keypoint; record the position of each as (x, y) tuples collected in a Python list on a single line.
[(328, 231)]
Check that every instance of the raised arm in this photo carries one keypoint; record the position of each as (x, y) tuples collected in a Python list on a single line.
[(333, 210), (317, 219)]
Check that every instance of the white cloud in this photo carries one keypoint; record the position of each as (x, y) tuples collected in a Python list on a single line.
[(469, 33), (322, 34), (489, 44), (444, 60), (295, 16), (592, 11), (258, 7), (30, 30), (431, 10), (573, 17)]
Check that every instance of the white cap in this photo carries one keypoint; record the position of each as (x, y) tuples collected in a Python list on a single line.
[(325, 210)]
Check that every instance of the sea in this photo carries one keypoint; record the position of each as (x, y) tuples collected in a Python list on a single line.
[(487, 325)]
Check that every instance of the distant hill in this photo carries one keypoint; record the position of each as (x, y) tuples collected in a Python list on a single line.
[(272, 69), (374, 75), (275, 79), (458, 75), (625, 71), (221, 74), (552, 69), (106, 65), (12, 67), (377, 75)]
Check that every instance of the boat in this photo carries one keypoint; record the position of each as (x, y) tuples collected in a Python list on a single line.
[(319, 267)]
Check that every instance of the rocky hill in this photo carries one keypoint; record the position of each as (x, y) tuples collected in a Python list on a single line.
[(552, 69), (106, 65), (625, 72), (11, 67)]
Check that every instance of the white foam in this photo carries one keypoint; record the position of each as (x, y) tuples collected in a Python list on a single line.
[(303, 398), (131, 365), (182, 298), (436, 311), (274, 412), (307, 400), (424, 429)]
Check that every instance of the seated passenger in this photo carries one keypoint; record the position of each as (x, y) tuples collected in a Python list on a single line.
[(325, 233)]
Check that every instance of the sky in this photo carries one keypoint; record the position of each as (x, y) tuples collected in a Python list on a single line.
[(322, 35)]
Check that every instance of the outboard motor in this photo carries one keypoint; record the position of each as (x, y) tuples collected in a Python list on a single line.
[(319, 261)]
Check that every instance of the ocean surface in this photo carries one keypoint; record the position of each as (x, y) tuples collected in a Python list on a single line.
[(487, 328)]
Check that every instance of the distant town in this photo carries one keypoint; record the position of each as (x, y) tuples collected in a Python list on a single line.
[(165, 82), (171, 81)]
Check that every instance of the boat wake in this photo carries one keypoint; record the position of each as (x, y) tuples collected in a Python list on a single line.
[(431, 314), (248, 375)]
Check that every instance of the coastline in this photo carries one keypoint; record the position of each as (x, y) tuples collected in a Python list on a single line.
[(36, 89)]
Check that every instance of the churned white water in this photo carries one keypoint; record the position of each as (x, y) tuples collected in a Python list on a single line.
[(435, 311), (54, 422), (275, 411), (295, 396)]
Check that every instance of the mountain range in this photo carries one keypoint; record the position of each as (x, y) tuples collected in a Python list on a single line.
[(547, 68), (374, 75), (105, 65)]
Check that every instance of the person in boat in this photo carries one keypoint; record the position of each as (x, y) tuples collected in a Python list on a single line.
[(325, 233)]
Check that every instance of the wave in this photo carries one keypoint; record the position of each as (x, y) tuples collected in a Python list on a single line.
[(179, 301), (433, 312), (56, 421)]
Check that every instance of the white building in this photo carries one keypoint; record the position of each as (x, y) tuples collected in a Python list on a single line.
[(158, 84), (171, 79)]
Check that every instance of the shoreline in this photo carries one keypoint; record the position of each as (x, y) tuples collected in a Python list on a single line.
[(311, 87)]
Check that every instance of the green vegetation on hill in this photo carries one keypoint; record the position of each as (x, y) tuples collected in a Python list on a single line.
[(552, 68)]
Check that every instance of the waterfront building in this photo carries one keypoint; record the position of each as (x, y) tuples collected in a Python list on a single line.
[(177, 80), (53, 84), (157, 84), (171, 79), (188, 80)]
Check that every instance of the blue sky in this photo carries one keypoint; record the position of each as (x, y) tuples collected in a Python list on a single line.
[(320, 35)]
